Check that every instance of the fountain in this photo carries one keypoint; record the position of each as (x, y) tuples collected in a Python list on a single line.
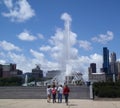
[(66, 67), (67, 74), (65, 64), (26, 81)]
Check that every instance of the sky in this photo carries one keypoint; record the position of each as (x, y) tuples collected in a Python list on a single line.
[(32, 32)]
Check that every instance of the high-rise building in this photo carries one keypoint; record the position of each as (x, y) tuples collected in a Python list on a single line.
[(105, 60), (93, 76), (93, 67), (113, 57), (113, 67), (118, 67), (1, 73)]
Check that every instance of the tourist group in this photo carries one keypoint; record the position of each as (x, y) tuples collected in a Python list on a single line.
[(57, 92)]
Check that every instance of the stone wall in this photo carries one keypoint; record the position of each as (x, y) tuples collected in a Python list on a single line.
[(77, 92)]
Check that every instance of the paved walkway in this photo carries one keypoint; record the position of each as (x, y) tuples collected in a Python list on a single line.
[(41, 103)]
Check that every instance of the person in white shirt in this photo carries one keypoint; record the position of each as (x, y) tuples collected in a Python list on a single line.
[(60, 92), (48, 93)]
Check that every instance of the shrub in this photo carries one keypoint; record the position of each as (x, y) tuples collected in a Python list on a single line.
[(107, 89), (13, 81)]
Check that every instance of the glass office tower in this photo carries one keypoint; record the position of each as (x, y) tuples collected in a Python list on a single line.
[(105, 60)]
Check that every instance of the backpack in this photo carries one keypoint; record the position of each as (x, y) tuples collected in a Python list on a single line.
[(53, 91)]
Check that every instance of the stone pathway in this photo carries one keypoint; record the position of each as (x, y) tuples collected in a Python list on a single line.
[(41, 103)]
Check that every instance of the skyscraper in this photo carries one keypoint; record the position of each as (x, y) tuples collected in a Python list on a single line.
[(105, 60), (93, 67), (113, 57), (1, 72), (113, 68)]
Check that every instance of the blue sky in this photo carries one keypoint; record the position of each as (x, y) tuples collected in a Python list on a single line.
[(31, 32)]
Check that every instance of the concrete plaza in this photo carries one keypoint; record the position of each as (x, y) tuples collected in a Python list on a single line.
[(73, 103)]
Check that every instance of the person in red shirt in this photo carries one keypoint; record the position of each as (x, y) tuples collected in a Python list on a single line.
[(66, 91), (54, 93)]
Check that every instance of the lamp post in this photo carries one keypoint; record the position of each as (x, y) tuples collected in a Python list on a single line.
[(91, 90)]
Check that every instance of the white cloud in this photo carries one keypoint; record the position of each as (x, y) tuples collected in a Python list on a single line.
[(85, 45), (66, 17), (63, 41), (98, 59), (40, 36), (57, 50), (45, 48), (2, 61), (39, 58), (104, 38), (8, 3), (23, 63), (57, 38), (2, 54), (19, 11), (60, 46), (26, 36), (37, 55), (74, 54), (17, 58), (83, 62), (8, 46), (27, 64)]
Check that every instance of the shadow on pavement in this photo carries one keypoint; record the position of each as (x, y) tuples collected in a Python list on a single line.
[(72, 105)]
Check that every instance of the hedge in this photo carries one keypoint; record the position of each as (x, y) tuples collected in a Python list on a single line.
[(106, 89)]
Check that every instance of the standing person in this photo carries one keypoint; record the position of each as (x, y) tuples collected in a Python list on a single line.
[(66, 91), (60, 92), (54, 93), (48, 93)]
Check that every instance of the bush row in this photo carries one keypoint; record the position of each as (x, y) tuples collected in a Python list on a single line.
[(106, 89), (13, 81)]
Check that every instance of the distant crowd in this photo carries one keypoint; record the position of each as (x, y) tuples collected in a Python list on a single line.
[(58, 92)]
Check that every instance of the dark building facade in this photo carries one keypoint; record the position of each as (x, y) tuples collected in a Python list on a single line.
[(114, 66), (93, 67), (110, 68), (9, 70), (113, 57), (106, 60), (12, 67), (37, 72), (1, 71)]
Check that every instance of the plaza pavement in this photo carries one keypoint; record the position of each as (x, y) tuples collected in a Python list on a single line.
[(73, 103)]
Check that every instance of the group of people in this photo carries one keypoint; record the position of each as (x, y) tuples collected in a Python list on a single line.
[(53, 92)]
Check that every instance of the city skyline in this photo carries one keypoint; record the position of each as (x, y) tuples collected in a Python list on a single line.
[(31, 32)]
